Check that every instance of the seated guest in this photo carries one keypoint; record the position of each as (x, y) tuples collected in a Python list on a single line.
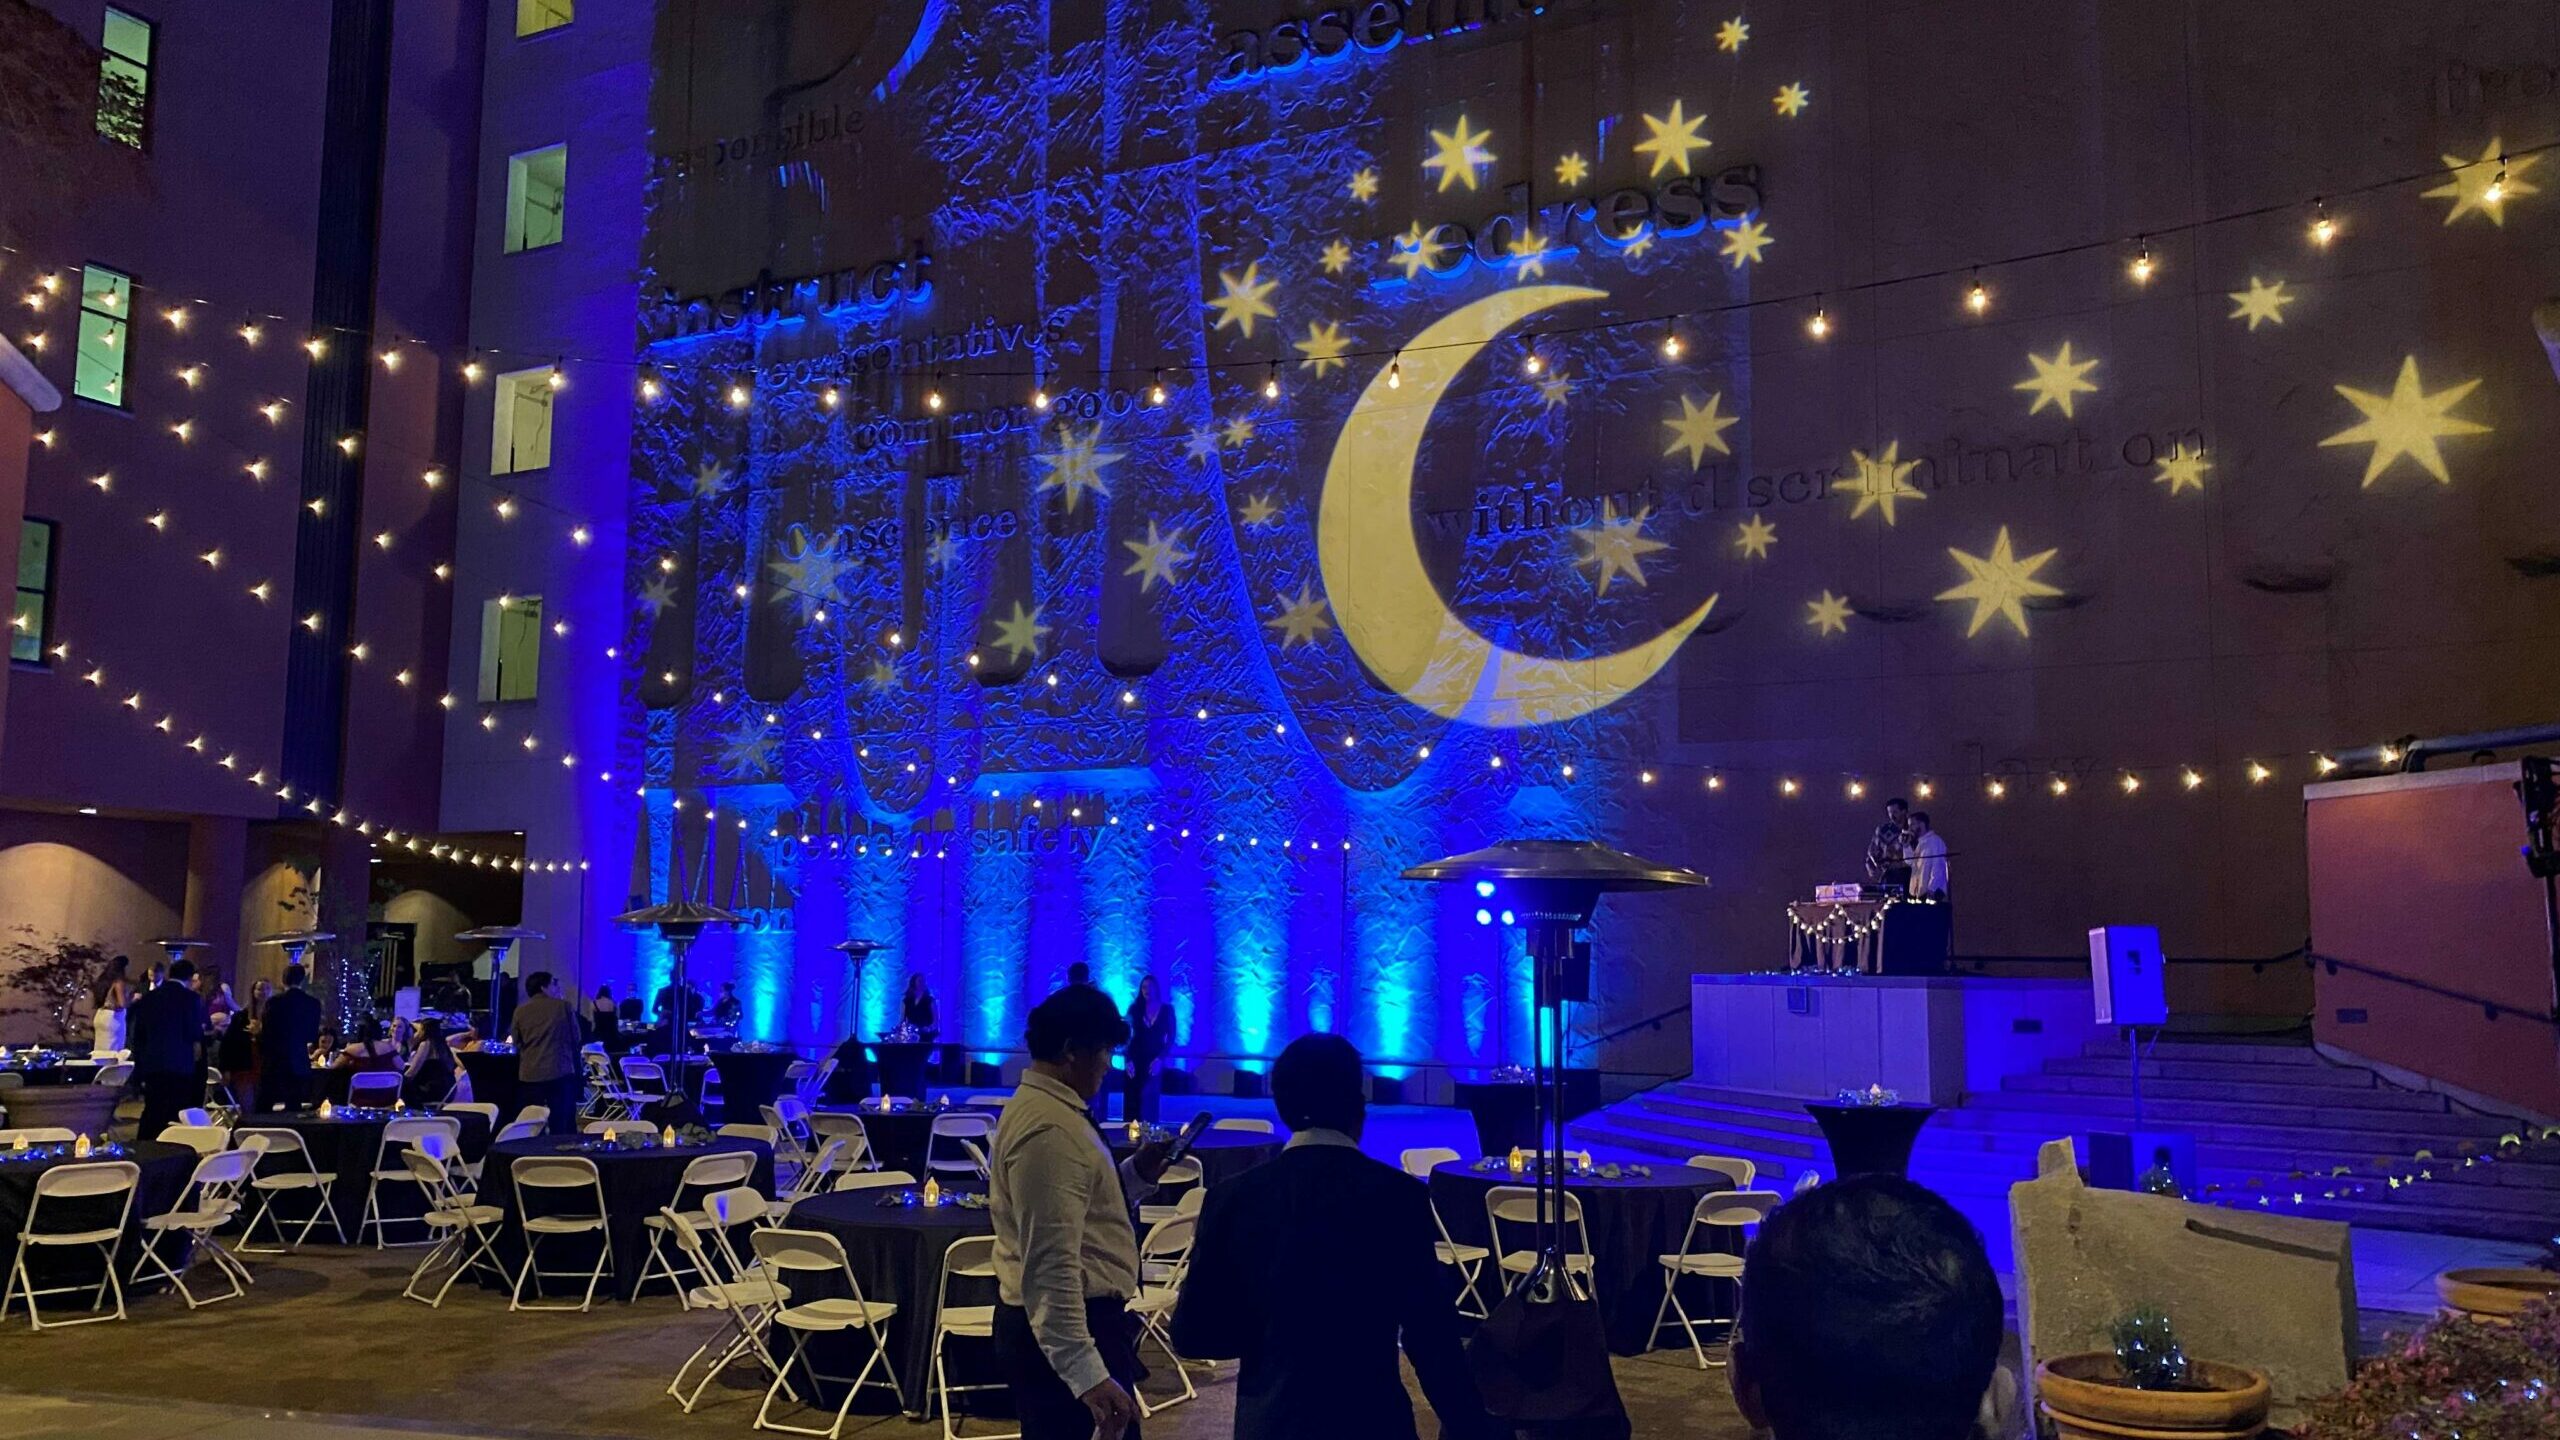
[(428, 1079), (727, 1010), (1889, 849), (372, 1050), (1317, 1266), (1928, 858), (1869, 1310)]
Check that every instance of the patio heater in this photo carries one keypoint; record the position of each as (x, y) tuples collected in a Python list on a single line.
[(1552, 887), (679, 922), (859, 951), (178, 945), (500, 939)]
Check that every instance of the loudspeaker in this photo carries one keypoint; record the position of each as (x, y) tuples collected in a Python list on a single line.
[(2119, 1160), (2129, 975)]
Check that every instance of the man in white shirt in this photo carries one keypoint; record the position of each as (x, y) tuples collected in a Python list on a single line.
[(1066, 1244), (1928, 859)]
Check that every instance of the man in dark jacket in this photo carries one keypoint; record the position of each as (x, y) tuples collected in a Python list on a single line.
[(165, 1030), (285, 1038), (1316, 1265)]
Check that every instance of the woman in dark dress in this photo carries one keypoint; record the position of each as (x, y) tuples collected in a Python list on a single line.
[(917, 1007), (429, 1076), (1150, 1035), (604, 1021)]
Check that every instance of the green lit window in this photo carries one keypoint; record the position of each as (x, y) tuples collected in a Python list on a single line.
[(534, 17), (537, 196), (124, 79), (31, 622), (106, 334), (510, 647), (520, 425)]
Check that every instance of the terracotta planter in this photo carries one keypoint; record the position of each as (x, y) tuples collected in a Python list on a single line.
[(87, 1109), (2085, 1397), (2494, 1295)]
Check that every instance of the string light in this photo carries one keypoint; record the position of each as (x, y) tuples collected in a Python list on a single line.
[(250, 334), (1271, 382), (390, 360), (1672, 345), (1040, 398), (558, 379), (274, 411), (2060, 786), (2189, 778), (1820, 325), (933, 394), (472, 370), (257, 469), (738, 397), (1977, 299), (1997, 788), (176, 315), (831, 397), (1395, 374), (2497, 190), (1155, 392), (1857, 790), (2131, 782), (1534, 364), (2142, 266), (1924, 789), (316, 346), (2323, 229), (2324, 764), (1714, 781)]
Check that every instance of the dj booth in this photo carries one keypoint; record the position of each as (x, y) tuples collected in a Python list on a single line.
[(1873, 934)]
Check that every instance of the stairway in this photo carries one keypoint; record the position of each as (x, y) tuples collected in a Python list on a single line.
[(2258, 1110)]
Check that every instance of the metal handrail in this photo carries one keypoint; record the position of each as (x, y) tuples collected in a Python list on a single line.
[(2493, 1008)]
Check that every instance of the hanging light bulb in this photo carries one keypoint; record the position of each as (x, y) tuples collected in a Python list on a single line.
[(472, 370), (1672, 345), (316, 346), (2130, 782), (1155, 392), (2189, 778), (250, 334), (559, 378), (1395, 374), (2142, 266), (1271, 382), (390, 359), (933, 394), (1533, 363), (738, 397), (2323, 229), (1977, 299), (1997, 788), (1819, 327), (2497, 190), (650, 388)]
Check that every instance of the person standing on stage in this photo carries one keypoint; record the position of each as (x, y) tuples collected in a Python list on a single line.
[(1066, 1255), (917, 1008), (1928, 859), (1150, 1035), (1889, 849)]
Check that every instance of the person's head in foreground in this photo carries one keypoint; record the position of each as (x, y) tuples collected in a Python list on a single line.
[(1316, 1085), (1071, 1037), (1869, 1313)]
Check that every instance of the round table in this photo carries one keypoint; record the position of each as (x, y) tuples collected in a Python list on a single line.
[(493, 1079), (347, 1142), (1633, 1221), (1871, 1139), (56, 1072), (749, 1081), (898, 1137), (896, 1252), (1505, 1112), (165, 1169), (638, 1182), (901, 1065), (1223, 1154)]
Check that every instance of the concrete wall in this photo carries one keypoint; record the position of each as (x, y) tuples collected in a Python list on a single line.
[(109, 882)]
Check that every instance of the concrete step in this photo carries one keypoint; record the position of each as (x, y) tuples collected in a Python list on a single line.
[(2338, 1114), (2220, 1072), (2363, 1137), (2376, 1096), (1708, 1135), (1780, 1119), (2285, 1050)]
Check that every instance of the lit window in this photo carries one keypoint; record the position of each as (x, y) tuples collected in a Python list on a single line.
[(124, 79), (533, 17), (31, 623), (537, 190), (106, 334), (510, 647), (520, 427)]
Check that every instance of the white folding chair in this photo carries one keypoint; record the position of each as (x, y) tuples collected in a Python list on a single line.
[(292, 1172), (1734, 1168), (203, 1137), (795, 1076), (195, 1115), (812, 1177), (1257, 1127), (374, 1089), (1733, 1212), (644, 1083), (488, 1113), (971, 1258), (220, 1105), (1805, 1180), (1467, 1259), (465, 1231), (538, 1116), (746, 1305), (762, 1134), (841, 1125), (558, 1177), (38, 1135), (516, 1130), (113, 1076), (967, 1131), (786, 1255), (790, 1117), (210, 1199), (397, 1137), (1518, 1205), (611, 1128), (813, 1082), (601, 1097), (703, 1176), (1164, 1261), (92, 1188), (1185, 1171), (873, 1180), (711, 1101)]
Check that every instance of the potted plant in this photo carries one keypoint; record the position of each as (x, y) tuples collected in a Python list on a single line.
[(2493, 1294), (2456, 1376), (2147, 1387)]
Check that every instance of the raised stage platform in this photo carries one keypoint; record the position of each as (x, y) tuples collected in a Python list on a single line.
[(1932, 1038)]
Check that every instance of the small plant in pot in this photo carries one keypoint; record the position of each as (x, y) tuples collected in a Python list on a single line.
[(2147, 1386)]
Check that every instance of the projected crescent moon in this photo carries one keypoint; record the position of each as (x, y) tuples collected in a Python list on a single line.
[(1373, 576)]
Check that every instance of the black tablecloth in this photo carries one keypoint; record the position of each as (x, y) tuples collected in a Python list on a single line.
[(165, 1169), (1871, 1139), (749, 1081), (1633, 1222), (898, 1137), (637, 1182), (1505, 1111), (493, 1080), (902, 1066), (61, 1072), (1223, 1154), (896, 1252), (349, 1148)]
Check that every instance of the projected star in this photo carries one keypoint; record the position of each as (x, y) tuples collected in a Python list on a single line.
[(2262, 302), (1259, 512), (1245, 299), (658, 596), (882, 677), (1744, 243), (1792, 99), (1828, 615), (746, 748), (942, 551), (1617, 546), (1555, 390), (1238, 431), (2182, 469), (1416, 248), (1639, 242), (1670, 140), (2057, 380), (2408, 421), (1202, 444), (1159, 557), (1528, 255), (1457, 154), (1699, 429), (1364, 186), (1336, 257), (1882, 482), (1301, 619), (1077, 464), (810, 574), (1754, 537), (2485, 185), (1998, 583), (1323, 348), (1731, 34), (710, 478), (1573, 169), (1020, 633)]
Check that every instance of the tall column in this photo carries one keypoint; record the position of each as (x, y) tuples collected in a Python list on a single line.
[(217, 865)]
